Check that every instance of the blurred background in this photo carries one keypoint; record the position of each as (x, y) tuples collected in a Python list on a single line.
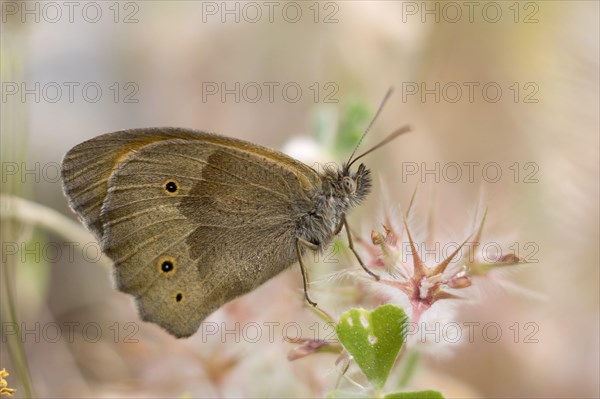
[(503, 101)]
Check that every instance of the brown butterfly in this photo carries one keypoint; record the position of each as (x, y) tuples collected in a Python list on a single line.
[(193, 220)]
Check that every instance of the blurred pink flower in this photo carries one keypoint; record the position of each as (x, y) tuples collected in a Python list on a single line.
[(424, 285)]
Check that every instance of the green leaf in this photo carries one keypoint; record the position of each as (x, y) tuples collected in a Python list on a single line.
[(373, 339), (415, 395)]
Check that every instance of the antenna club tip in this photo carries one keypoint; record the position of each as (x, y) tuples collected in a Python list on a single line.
[(402, 129)]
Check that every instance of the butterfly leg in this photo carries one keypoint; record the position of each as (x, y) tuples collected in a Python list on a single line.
[(339, 227), (304, 275), (351, 245)]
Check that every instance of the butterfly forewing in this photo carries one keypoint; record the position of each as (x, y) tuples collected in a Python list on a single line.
[(87, 167)]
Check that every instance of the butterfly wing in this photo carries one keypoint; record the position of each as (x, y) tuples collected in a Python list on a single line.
[(190, 222)]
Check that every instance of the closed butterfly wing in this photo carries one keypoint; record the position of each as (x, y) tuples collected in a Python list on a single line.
[(191, 220)]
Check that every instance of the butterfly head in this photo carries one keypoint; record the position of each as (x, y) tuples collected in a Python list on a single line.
[(350, 187), (356, 185)]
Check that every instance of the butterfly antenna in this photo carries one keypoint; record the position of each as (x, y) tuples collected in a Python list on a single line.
[(387, 96), (396, 133)]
